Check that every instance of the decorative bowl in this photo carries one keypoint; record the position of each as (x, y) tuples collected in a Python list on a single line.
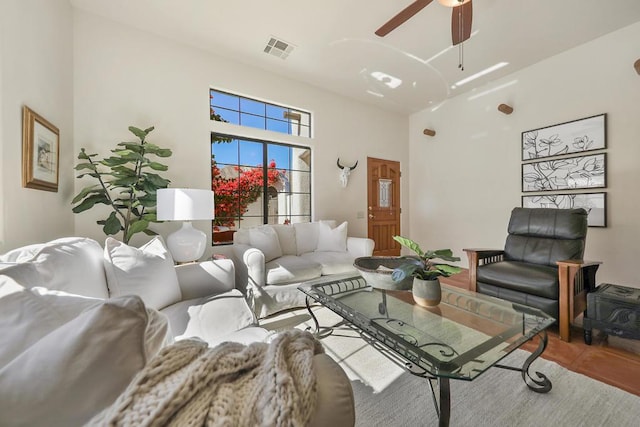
[(377, 270)]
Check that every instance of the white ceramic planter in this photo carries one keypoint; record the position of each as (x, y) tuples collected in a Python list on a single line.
[(426, 293)]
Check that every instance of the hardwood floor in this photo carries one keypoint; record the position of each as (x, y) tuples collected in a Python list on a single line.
[(613, 361)]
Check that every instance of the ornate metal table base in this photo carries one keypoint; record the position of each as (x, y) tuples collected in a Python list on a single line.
[(442, 399), (541, 384)]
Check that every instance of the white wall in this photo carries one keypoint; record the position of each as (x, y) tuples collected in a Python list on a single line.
[(128, 77), (37, 71), (466, 179)]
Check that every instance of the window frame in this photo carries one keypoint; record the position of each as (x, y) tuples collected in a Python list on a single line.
[(265, 168), (292, 117)]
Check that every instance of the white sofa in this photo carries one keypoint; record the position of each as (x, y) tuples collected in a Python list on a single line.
[(272, 260), (78, 322)]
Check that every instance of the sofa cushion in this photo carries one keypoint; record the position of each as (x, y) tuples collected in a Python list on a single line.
[(332, 262), (28, 315), (287, 238), (77, 369), (332, 239), (265, 239), (289, 268), (147, 271), (307, 235), (211, 317), (70, 264)]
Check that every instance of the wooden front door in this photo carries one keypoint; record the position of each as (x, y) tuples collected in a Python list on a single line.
[(383, 189)]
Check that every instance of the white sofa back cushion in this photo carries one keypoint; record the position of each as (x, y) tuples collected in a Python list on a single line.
[(332, 239), (70, 264), (78, 368), (307, 235), (265, 238), (147, 271), (287, 238)]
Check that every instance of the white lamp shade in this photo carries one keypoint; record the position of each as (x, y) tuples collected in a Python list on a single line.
[(184, 204)]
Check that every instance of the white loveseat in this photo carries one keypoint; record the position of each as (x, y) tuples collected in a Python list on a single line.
[(78, 322), (272, 260)]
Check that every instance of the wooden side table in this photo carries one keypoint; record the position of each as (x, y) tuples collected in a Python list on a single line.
[(615, 310)]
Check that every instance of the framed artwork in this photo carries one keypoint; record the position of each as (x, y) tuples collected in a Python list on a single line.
[(594, 203), (577, 136), (40, 152), (565, 173)]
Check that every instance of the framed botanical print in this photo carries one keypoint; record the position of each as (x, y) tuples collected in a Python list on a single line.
[(40, 152), (577, 136)]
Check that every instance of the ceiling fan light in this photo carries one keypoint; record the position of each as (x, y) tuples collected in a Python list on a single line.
[(453, 3)]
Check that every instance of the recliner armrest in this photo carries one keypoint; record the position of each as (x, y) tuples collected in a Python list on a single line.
[(475, 257), (206, 278)]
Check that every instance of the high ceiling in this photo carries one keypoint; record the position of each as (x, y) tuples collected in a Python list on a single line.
[(335, 47)]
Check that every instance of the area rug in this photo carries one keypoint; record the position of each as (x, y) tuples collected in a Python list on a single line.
[(386, 395)]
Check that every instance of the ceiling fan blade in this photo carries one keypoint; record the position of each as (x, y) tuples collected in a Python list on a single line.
[(401, 17), (461, 18)]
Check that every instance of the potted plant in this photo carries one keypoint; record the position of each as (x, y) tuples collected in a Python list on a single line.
[(125, 184), (425, 272)]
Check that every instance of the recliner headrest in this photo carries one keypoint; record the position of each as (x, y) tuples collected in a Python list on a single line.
[(549, 223)]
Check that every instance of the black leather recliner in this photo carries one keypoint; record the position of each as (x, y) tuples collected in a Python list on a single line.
[(541, 265)]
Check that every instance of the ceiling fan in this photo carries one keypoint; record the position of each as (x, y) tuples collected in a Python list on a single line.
[(461, 17)]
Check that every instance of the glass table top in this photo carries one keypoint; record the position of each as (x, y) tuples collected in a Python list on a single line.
[(460, 338)]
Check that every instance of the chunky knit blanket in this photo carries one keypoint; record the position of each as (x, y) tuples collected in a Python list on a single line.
[(189, 384)]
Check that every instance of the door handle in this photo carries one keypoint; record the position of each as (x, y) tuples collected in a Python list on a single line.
[(370, 216)]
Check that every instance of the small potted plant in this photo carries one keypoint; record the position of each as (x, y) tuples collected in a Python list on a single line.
[(426, 286)]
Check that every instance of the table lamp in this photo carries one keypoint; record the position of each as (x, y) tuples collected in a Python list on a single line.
[(185, 204)]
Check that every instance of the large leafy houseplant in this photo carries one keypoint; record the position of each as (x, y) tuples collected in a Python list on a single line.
[(126, 183), (422, 265)]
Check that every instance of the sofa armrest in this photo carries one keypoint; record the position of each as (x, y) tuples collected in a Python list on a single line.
[(360, 246), (206, 278), (251, 259)]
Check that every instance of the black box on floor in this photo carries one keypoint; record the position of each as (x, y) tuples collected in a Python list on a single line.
[(613, 309)]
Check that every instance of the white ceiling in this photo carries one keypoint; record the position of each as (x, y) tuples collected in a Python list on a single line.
[(336, 49)]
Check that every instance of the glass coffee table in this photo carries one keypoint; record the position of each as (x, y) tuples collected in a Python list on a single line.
[(460, 338)]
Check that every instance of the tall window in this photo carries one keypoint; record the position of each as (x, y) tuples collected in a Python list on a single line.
[(258, 182), (243, 111)]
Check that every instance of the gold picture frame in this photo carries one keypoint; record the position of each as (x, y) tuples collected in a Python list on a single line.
[(40, 152)]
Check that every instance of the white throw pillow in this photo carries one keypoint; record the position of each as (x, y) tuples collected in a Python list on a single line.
[(332, 239), (70, 264), (219, 315), (147, 271), (77, 369), (287, 238), (307, 235), (265, 239)]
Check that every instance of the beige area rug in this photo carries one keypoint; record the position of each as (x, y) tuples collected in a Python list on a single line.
[(386, 395)]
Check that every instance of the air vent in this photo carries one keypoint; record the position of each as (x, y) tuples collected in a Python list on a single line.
[(278, 47)]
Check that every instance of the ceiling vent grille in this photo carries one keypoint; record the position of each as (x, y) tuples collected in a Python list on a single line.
[(278, 47)]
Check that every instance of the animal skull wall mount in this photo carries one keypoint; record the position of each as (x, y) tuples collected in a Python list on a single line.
[(345, 172)]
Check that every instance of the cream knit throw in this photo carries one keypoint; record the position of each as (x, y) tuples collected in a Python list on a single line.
[(188, 384)]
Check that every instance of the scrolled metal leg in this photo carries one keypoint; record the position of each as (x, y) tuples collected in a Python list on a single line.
[(445, 402), (313, 316), (540, 384), (318, 331)]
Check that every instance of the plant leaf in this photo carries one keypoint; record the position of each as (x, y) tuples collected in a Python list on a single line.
[(142, 134), (112, 225), (90, 202), (136, 227), (86, 191), (157, 166), (410, 244)]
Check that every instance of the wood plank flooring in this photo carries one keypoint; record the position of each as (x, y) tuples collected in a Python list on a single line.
[(613, 361)]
